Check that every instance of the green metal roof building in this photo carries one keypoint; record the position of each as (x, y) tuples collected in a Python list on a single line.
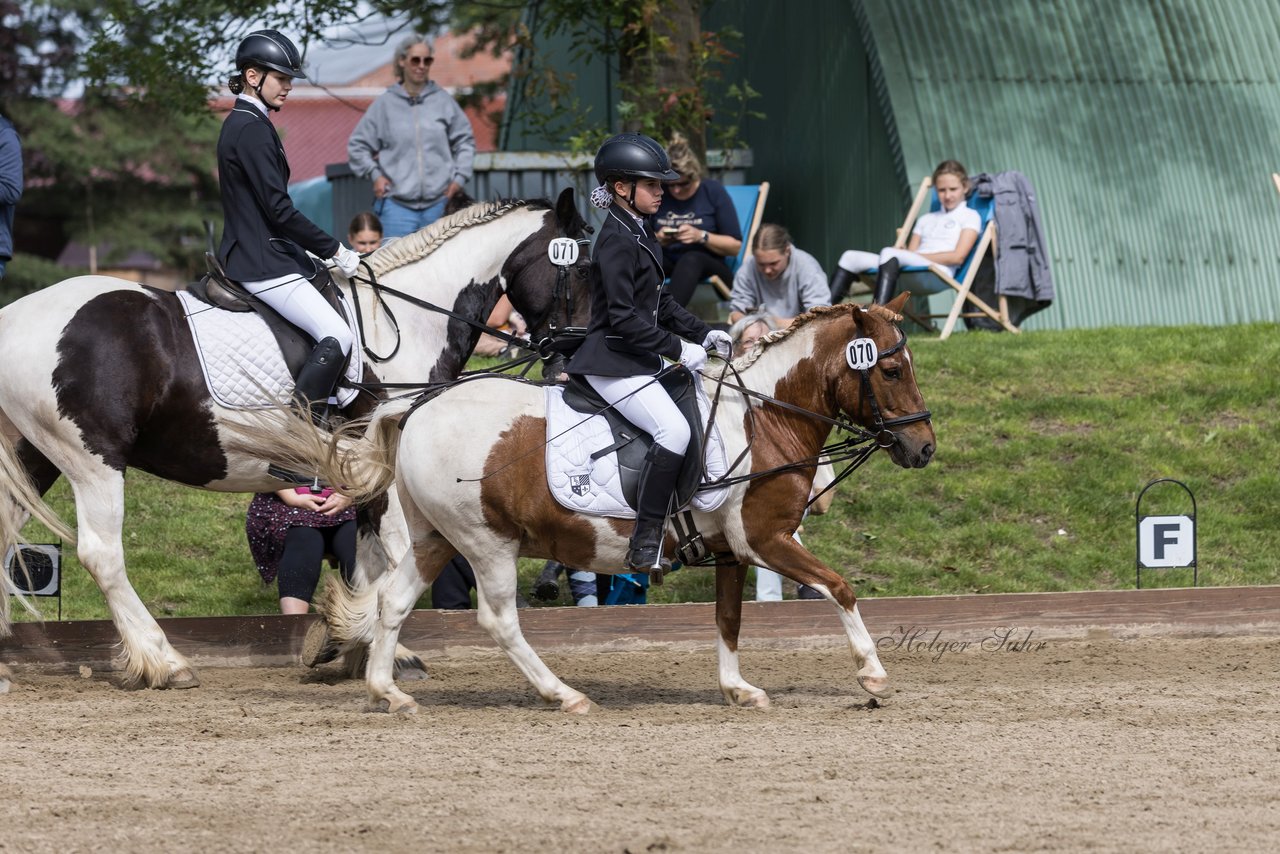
[(1150, 129)]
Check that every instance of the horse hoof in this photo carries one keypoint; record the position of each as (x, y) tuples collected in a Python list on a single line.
[(410, 669), (6, 679), (746, 699), (184, 678), (400, 703), (317, 647), (577, 706), (876, 686)]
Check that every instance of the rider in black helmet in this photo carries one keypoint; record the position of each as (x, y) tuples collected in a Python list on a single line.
[(264, 236), (635, 323)]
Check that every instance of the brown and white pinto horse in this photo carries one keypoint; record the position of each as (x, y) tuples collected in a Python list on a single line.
[(493, 504), (101, 374)]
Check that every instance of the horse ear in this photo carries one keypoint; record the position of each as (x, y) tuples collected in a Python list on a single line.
[(895, 305), (566, 210)]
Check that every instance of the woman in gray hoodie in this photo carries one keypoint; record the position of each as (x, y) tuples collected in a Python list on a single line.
[(414, 143)]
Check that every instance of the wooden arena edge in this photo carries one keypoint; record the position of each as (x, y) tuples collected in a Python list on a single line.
[(276, 640)]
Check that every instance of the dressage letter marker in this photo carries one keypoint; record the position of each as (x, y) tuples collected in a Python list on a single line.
[(1165, 542)]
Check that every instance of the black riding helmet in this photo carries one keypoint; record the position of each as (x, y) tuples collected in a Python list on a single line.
[(269, 49), (633, 156)]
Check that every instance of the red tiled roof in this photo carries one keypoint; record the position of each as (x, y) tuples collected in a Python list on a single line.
[(315, 130), (316, 122)]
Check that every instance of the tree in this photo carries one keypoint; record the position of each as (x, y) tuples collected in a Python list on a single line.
[(102, 168), (165, 53)]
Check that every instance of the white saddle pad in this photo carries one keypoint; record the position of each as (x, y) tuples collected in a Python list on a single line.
[(594, 487), (241, 360)]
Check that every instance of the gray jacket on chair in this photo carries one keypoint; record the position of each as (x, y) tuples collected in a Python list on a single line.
[(1022, 256)]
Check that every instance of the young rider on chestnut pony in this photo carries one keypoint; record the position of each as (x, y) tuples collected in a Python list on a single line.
[(635, 323)]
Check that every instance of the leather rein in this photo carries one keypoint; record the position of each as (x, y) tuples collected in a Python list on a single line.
[(855, 449), (543, 348)]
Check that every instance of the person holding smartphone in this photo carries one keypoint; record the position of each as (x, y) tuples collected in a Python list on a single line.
[(696, 224), (291, 531)]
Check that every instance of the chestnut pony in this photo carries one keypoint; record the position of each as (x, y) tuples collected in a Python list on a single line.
[(775, 411), (101, 374)]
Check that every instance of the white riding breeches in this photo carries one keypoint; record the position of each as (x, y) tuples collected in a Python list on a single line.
[(857, 261), (298, 301), (645, 403)]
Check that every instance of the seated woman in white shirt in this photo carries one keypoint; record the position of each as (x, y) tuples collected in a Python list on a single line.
[(944, 237)]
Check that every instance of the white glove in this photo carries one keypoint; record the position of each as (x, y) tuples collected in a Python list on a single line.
[(719, 341), (692, 356), (348, 261)]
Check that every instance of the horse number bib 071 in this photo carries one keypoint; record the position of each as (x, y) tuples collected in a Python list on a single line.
[(861, 354), (563, 251)]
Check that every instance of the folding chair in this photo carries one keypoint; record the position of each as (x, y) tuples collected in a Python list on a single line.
[(935, 279), (748, 201)]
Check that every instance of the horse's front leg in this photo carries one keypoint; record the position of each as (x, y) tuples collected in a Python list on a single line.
[(149, 660), (731, 576), (781, 553)]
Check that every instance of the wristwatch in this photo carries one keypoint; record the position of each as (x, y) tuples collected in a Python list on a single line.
[(704, 236)]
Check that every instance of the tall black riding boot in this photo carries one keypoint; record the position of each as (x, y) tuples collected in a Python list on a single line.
[(657, 483), (887, 281), (840, 282), (318, 377)]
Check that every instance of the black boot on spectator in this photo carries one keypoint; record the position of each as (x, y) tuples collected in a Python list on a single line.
[(546, 588), (840, 282), (887, 281)]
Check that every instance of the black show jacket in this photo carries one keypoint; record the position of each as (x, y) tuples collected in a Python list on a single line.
[(263, 234), (633, 317)]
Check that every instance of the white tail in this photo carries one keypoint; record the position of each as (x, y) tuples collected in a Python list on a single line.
[(350, 615), (360, 455), (26, 502)]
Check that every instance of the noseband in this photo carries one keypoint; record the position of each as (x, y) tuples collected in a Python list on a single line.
[(856, 354)]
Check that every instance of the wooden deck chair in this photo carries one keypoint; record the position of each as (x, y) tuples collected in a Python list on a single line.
[(935, 279), (748, 201)]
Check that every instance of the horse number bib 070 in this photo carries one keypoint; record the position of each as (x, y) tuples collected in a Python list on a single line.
[(861, 354), (563, 251)]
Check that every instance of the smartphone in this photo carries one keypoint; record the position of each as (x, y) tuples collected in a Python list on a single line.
[(306, 490), (670, 230)]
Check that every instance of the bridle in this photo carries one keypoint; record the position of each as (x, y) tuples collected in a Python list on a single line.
[(855, 449), (563, 252)]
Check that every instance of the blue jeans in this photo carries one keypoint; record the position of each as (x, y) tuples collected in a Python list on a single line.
[(398, 220), (2, 263)]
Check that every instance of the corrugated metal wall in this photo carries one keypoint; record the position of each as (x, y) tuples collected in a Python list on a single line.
[(1149, 130), (823, 144)]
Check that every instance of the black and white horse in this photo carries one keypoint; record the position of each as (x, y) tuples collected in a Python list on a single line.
[(101, 374)]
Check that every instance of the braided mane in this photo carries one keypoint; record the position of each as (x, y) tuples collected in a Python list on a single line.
[(748, 358), (414, 247)]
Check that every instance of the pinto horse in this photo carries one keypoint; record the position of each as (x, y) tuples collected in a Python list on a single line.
[(102, 374), (774, 412)]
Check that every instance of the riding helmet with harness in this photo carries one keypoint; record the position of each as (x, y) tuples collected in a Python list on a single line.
[(630, 157), (269, 50)]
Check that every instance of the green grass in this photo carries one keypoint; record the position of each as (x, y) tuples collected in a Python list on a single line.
[(1044, 441)]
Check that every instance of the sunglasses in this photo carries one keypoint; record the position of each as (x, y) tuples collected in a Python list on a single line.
[(420, 60), (681, 185)]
